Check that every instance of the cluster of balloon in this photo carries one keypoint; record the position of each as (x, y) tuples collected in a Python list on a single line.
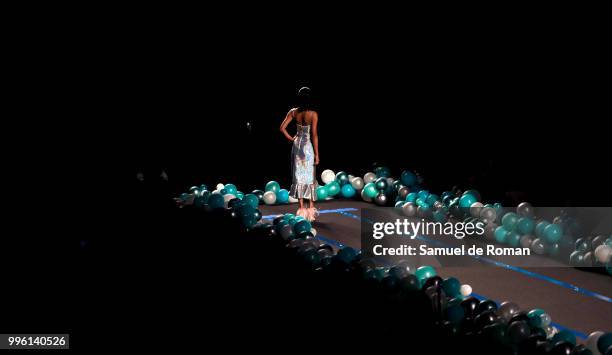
[(273, 194), (593, 251), (339, 183)]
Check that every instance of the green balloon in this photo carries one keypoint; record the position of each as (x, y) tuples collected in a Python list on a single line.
[(251, 200), (273, 186), (370, 190), (424, 272), (301, 227), (322, 193), (333, 188)]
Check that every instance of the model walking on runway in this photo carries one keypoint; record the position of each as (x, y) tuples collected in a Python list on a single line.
[(304, 154)]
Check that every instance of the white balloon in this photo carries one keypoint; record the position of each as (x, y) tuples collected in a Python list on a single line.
[(220, 186), (591, 342), (351, 177), (227, 198), (269, 198), (369, 177), (313, 231), (357, 183), (466, 290), (364, 197), (293, 200), (475, 209), (603, 253), (328, 176)]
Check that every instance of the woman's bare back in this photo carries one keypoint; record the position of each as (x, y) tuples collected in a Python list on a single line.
[(303, 118)]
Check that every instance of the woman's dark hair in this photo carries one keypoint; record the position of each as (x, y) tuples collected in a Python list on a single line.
[(303, 97)]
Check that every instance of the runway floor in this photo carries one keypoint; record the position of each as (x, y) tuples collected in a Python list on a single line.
[(577, 300)]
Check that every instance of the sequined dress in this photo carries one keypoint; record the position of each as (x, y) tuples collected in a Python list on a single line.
[(302, 160)]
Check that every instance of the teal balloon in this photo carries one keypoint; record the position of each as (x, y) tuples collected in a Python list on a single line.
[(431, 199), (381, 183), (411, 197), (230, 189), (251, 200), (321, 193), (501, 234), (609, 268), (194, 190), (553, 233), (282, 196), (347, 254), (301, 227), (342, 178), (288, 216), (452, 287), (240, 195), (455, 314), (216, 201), (333, 188), (510, 220), (423, 194), (513, 239), (439, 216), (370, 190), (246, 210), (249, 221), (424, 272), (539, 229), (272, 186), (564, 335), (293, 221), (535, 318), (408, 178), (525, 225), (347, 191), (467, 200), (382, 171), (553, 249), (474, 193)]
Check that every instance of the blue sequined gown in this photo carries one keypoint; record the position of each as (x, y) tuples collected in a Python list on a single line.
[(302, 159)]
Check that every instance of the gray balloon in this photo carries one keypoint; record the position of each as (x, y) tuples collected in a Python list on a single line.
[(438, 205), (424, 212), (558, 220), (507, 309), (488, 214), (381, 199), (409, 209), (589, 259), (537, 246), (490, 231), (403, 192), (369, 177), (357, 183), (525, 209), (286, 231), (526, 240)]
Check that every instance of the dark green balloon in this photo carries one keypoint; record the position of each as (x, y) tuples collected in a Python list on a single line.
[(381, 184), (342, 178)]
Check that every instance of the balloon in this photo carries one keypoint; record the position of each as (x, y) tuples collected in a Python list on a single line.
[(409, 209), (526, 240), (301, 227), (282, 196), (269, 198), (603, 253), (382, 171), (438, 216), (408, 178), (365, 197), (507, 310), (230, 189), (537, 246), (357, 183), (328, 176), (538, 318), (342, 178), (259, 194), (380, 199), (333, 188), (565, 335), (474, 193), (220, 186), (370, 190), (402, 192), (553, 233), (604, 342), (293, 199), (347, 191), (272, 186), (286, 231), (381, 184), (501, 234), (424, 272), (411, 197), (539, 228), (347, 254), (369, 177), (592, 339), (216, 200), (431, 199), (488, 214), (513, 239), (490, 231), (321, 193), (510, 220), (476, 209), (452, 287), (518, 331), (467, 200), (525, 225), (227, 198), (577, 258), (524, 209), (466, 290)]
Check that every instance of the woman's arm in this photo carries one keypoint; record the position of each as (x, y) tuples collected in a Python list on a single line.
[(286, 121), (315, 136)]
